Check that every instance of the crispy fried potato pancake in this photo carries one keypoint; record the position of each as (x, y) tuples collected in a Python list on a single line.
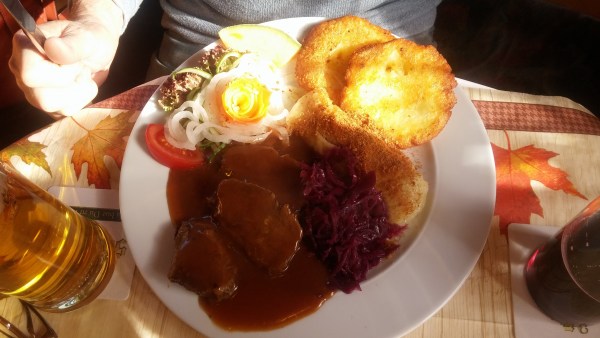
[(322, 124), (322, 60), (401, 90)]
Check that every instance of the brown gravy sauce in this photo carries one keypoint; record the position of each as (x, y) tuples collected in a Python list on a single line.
[(262, 301)]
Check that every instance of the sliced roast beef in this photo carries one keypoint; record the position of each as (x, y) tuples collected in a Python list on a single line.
[(264, 166), (267, 231), (204, 261)]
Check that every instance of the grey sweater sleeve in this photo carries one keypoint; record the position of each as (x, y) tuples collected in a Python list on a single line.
[(198, 21)]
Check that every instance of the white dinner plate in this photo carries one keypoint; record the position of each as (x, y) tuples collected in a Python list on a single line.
[(433, 262)]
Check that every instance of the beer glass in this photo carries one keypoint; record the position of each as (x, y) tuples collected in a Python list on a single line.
[(563, 275), (50, 256)]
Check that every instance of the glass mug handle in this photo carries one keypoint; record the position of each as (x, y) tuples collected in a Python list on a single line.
[(34, 326)]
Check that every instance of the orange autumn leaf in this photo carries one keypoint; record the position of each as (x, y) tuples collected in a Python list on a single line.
[(29, 152), (515, 169), (106, 139)]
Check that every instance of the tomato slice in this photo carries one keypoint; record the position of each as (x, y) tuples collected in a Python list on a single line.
[(167, 154)]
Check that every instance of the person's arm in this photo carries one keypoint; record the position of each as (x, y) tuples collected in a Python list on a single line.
[(80, 51)]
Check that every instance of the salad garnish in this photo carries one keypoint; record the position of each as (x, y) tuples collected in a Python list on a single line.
[(229, 96)]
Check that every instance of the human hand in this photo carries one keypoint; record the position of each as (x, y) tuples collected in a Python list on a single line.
[(79, 54)]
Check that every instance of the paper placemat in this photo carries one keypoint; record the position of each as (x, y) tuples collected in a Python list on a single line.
[(529, 321), (102, 205)]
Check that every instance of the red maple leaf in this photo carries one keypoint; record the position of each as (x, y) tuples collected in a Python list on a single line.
[(515, 169)]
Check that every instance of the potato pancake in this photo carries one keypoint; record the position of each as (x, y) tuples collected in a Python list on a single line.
[(400, 90), (322, 124), (323, 58)]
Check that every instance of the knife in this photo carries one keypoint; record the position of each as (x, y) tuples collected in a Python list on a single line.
[(26, 22)]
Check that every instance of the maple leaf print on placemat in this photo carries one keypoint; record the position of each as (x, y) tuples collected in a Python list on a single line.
[(515, 169), (107, 138), (29, 152)]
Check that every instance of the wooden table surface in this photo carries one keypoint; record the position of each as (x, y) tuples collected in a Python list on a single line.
[(547, 159)]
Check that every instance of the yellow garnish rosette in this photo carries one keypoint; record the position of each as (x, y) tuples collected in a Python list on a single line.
[(245, 100)]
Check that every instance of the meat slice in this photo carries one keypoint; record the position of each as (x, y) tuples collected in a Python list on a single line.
[(267, 231), (204, 261), (264, 166)]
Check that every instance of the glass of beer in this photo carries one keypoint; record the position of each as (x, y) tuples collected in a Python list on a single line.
[(50, 256), (563, 275)]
